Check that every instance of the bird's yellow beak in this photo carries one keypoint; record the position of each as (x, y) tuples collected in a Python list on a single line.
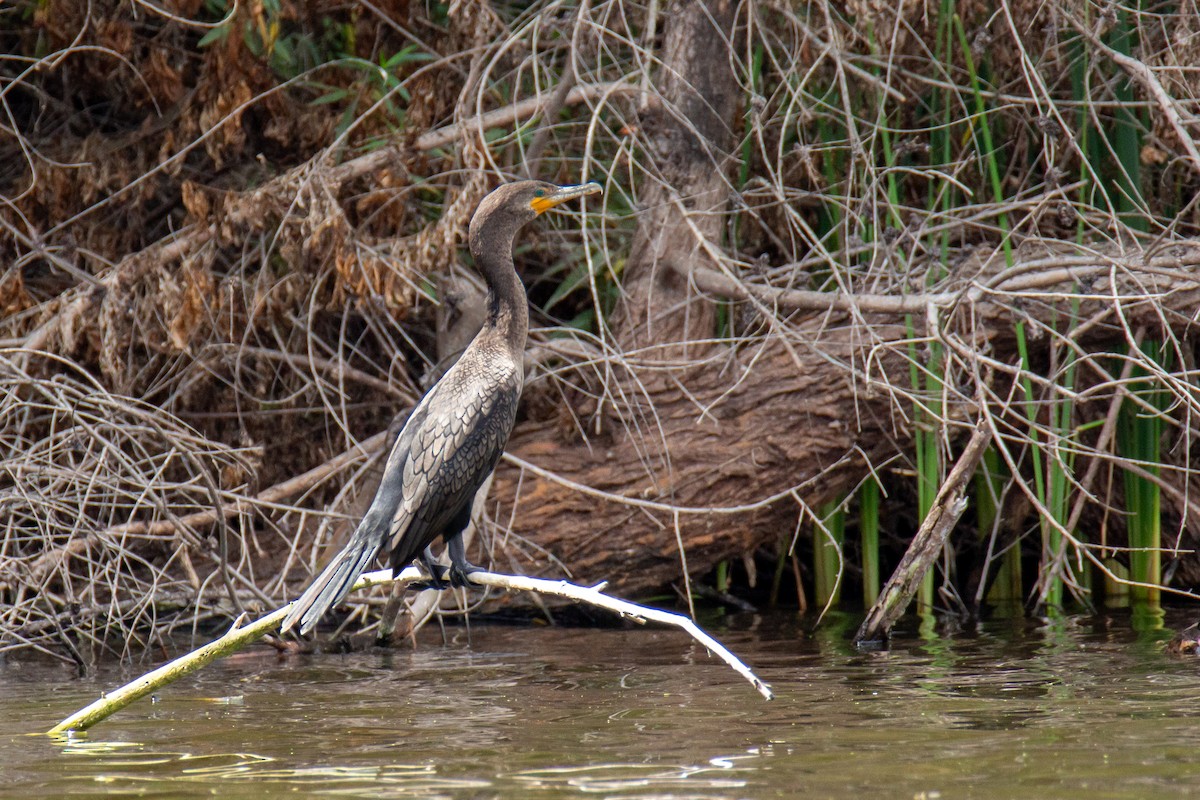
[(562, 195)]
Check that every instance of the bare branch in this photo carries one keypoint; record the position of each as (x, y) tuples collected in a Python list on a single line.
[(238, 637)]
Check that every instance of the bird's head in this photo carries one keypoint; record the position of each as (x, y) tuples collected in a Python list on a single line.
[(502, 213)]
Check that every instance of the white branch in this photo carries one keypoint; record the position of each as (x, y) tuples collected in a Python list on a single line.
[(238, 637), (593, 596)]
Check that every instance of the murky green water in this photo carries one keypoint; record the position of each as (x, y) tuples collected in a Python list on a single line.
[(1083, 709)]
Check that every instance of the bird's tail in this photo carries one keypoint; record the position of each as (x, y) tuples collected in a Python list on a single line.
[(333, 584)]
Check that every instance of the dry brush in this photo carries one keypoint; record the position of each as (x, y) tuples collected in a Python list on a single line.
[(828, 232)]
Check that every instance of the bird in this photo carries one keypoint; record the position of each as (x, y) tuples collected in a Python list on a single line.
[(456, 434)]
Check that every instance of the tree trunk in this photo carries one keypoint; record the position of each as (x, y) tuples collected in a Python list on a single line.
[(758, 423), (689, 135)]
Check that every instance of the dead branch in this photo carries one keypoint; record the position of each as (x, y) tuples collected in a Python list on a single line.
[(53, 559), (1145, 76), (238, 637), (250, 206), (1125, 276), (927, 545)]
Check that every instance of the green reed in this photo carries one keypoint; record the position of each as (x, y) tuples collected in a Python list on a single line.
[(777, 575), (868, 523), (827, 549), (1139, 439), (928, 418), (1140, 429), (1126, 135), (1006, 587), (1051, 471), (1140, 426), (827, 554)]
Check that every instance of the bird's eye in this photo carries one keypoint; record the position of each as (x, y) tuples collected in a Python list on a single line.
[(540, 193)]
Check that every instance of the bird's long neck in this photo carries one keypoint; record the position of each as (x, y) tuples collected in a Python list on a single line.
[(507, 306)]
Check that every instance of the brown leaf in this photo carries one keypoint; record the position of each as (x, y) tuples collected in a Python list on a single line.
[(195, 200), (190, 319)]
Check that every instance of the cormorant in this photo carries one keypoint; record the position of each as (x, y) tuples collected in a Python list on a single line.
[(455, 435)]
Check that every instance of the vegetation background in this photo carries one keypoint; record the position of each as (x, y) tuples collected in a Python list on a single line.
[(835, 238)]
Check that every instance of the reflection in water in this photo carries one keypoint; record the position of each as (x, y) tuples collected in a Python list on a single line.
[(1017, 710), (718, 774)]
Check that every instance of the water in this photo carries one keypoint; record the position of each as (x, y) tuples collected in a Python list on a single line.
[(1082, 708)]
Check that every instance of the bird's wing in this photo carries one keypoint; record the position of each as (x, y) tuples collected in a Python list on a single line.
[(450, 455)]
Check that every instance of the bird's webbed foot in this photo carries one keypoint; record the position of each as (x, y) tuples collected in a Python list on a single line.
[(460, 568), (459, 574), (437, 574)]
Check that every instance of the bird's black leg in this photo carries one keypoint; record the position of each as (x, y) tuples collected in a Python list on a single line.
[(460, 568)]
